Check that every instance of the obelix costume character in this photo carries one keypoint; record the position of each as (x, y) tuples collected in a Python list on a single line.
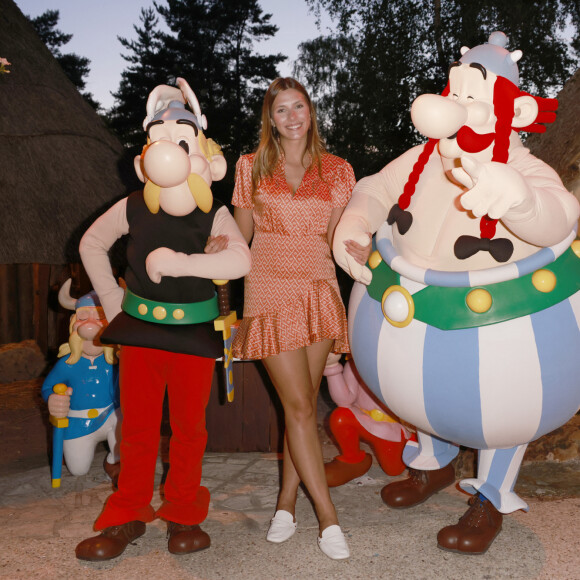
[(468, 328), (164, 320)]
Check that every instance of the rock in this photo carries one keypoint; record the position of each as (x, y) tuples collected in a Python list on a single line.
[(20, 361), (563, 444), (21, 395)]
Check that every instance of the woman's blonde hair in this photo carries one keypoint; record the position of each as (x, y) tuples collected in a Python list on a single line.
[(269, 148)]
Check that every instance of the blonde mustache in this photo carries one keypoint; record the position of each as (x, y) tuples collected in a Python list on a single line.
[(74, 347), (198, 188)]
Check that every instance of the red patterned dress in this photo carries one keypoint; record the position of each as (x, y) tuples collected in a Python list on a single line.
[(291, 297)]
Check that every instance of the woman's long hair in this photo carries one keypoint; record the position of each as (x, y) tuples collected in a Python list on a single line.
[(269, 148)]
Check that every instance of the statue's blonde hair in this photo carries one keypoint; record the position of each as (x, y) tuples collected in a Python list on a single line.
[(74, 347)]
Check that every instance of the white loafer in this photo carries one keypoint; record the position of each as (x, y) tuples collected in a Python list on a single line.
[(282, 527), (333, 543)]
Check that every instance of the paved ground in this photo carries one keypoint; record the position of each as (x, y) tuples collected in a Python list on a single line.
[(41, 526)]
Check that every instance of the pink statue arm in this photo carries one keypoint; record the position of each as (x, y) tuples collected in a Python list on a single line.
[(341, 392), (94, 248), (229, 264)]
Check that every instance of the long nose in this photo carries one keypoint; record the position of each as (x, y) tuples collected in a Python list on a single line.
[(437, 117), (166, 164)]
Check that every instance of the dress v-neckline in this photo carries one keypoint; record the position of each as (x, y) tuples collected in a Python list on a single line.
[(288, 184)]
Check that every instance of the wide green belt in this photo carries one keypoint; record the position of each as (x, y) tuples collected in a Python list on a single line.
[(170, 312), (451, 308)]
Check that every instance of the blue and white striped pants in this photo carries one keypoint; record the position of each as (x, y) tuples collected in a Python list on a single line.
[(493, 388)]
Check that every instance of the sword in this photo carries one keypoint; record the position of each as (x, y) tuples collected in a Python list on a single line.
[(60, 424), (224, 323)]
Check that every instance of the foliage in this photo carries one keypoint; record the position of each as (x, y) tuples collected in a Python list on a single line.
[(145, 71), (386, 52), (210, 44), (75, 67)]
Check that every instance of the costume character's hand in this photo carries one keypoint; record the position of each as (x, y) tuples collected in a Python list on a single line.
[(494, 188), (59, 405), (358, 249), (158, 263)]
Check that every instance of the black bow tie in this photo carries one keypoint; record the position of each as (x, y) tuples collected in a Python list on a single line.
[(501, 250), (403, 218)]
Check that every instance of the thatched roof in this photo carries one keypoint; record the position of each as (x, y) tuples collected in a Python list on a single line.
[(58, 162), (559, 146)]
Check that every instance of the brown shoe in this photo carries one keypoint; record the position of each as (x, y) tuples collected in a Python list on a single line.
[(112, 470), (339, 472), (420, 486), (185, 539), (111, 542), (475, 531)]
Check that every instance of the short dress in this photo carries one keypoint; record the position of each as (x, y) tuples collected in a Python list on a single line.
[(291, 295)]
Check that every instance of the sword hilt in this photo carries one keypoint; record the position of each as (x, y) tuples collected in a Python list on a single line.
[(223, 293), (59, 389), (59, 424), (223, 323)]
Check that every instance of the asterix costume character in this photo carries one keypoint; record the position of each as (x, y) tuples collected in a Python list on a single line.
[(466, 323), (164, 320)]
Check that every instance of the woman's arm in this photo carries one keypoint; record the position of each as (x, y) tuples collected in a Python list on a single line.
[(245, 220), (334, 219)]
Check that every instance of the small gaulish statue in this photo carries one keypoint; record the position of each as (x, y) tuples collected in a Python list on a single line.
[(89, 400), (360, 416)]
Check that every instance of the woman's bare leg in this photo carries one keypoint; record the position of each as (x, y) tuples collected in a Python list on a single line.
[(296, 376)]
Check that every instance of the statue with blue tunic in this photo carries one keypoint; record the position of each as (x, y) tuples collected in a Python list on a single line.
[(88, 400)]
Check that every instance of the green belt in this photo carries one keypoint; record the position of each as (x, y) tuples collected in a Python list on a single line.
[(450, 308), (170, 312)]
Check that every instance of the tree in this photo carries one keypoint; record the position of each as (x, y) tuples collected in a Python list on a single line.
[(210, 44), (325, 63), (145, 71), (75, 67), (399, 49)]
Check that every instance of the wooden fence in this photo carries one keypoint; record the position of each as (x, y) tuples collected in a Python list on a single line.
[(29, 306), (29, 309)]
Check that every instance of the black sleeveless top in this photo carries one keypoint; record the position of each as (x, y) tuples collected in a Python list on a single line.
[(187, 234)]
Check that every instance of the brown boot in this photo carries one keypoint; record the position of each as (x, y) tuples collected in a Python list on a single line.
[(111, 542), (340, 472), (420, 486), (112, 470), (475, 531), (184, 539)]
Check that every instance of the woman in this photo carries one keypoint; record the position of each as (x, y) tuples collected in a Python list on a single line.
[(288, 197)]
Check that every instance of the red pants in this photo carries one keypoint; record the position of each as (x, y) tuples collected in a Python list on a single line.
[(348, 433), (144, 373)]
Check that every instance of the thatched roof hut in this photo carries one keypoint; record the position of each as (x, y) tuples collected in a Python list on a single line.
[(60, 168), (559, 146), (58, 161)]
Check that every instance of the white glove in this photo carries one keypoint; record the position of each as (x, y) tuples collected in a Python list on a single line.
[(494, 188)]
